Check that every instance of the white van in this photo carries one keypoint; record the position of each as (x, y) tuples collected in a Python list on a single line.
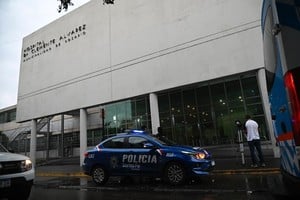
[(16, 175)]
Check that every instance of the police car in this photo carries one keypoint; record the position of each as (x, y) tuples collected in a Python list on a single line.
[(141, 154)]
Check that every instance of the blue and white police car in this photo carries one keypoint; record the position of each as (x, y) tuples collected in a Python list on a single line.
[(140, 154)]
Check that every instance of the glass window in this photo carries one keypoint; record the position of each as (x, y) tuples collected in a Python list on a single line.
[(128, 114), (236, 109), (110, 115), (141, 107), (222, 118), (203, 96), (133, 107), (190, 108), (205, 115), (165, 120), (204, 104), (163, 103), (8, 116), (255, 109), (53, 143), (93, 137), (115, 143), (179, 135), (12, 115), (176, 103), (2, 118), (190, 117), (234, 94), (218, 96), (252, 100), (207, 136), (250, 87), (2, 148), (189, 99), (136, 142), (193, 134), (252, 96), (120, 112)]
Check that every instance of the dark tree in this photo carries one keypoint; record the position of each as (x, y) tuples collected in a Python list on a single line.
[(108, 1), (64, 4)]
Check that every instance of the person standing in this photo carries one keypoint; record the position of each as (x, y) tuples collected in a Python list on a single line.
[(159, 133), (253, 140)]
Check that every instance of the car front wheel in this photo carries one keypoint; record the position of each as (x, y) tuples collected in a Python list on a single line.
[(175, 173), (99, 175)]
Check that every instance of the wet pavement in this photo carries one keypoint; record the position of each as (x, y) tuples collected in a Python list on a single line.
[(217, 186), (50, 194), (229, 179)]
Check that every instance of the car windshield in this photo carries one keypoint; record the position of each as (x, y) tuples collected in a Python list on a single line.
[(2, 148)]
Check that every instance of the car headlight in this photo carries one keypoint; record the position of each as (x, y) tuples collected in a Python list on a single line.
[(26, 165), (198, 155)]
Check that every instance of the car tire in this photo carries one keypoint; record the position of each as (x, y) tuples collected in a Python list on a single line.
[(99, 175), (24, 195), (175, 173), (23, 192)]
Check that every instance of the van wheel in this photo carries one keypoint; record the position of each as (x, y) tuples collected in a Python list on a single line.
[(99, 175), (23, 192), (175, 173)]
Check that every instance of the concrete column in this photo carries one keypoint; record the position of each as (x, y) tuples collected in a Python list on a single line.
[(48, 139), (33, 141), (83, 134), (154, 112), (262, 84), (62, 131)]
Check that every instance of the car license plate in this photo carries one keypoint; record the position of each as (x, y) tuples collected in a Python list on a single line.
[(4, 183), (213, 163)]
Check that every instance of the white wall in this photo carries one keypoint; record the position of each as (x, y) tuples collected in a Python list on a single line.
[(136, 47)]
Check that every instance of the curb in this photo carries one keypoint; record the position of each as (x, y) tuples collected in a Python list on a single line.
[(247, 171), (60, 174)]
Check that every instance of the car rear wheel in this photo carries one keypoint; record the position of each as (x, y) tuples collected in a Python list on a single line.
[(99, 175), (175, 173)]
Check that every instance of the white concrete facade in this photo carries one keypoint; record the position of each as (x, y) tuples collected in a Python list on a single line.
[(100, 54), (103, 53)]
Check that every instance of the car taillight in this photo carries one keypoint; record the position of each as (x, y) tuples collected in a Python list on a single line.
[(292, 83), (86, 154)]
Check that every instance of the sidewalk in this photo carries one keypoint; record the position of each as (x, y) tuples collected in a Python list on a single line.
[(228, 161), (229, 158)]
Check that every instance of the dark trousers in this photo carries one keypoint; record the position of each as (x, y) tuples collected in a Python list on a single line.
[(255, 145)]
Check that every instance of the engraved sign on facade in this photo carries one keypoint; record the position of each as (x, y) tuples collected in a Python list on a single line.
[(41, 47)]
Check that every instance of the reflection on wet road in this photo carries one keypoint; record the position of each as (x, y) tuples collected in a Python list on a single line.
[(213, 187), (38, 193)]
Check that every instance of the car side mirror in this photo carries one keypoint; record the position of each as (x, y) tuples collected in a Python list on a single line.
[(10, 150), (149, 145)]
